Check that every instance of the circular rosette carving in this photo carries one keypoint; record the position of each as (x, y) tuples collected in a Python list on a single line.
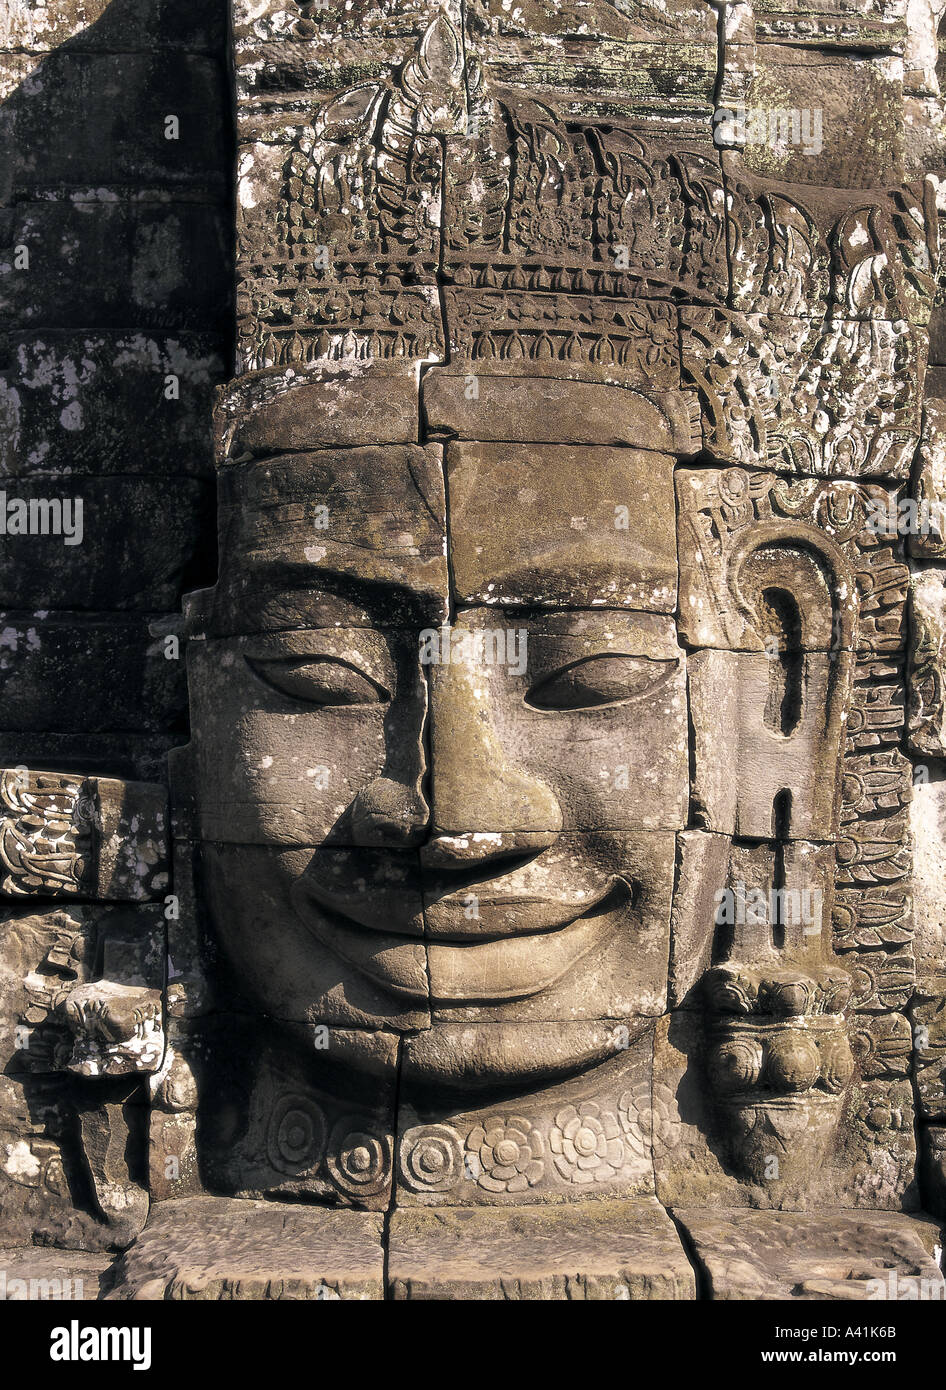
[(295, 1139), (637, 1114), (587, 1144), (431, 1158), (646, 1116), (880, 1111), (359, 1159), (509, 1153), (735, 496)]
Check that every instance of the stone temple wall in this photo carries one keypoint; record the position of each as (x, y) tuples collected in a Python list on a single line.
[(481, 277), (115, 327), (127, 283)]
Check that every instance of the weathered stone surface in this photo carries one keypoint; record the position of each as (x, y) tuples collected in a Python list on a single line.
[(933, 1169), (928, 833), (98, 23), (93, 405), (476, 1056), (926, 716), (139, 757), (744, 536), (106, 147), (278, 1124), (74, 542), (830, 25), (335, 404), (41, 655), (508, 768), (585, 1251), (546, 832), (834, 1255), (867, 91), (189, 990), (702, 864), (57, 1275), (928, 1017), (308, 714), (111, 1129), (212, 1248), (927, 537), (81, 998), (482, 404), (299, 524), (837, 235), (787, 718), (166, 261), (778, 389), (603, 536)]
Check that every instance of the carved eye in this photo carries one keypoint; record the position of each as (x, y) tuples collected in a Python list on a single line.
[(600, 680), (319, 680)]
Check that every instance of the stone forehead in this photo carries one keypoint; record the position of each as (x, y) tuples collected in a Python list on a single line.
[(344, 404), (532, 524)]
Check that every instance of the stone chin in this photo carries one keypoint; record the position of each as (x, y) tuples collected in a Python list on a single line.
[(477, 1056), (473, 1056)]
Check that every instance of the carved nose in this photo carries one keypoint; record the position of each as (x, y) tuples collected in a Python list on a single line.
[(388, 815), (483, 803)]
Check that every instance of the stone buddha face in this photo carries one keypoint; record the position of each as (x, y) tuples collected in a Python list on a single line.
[(549, 606), (440, 717)]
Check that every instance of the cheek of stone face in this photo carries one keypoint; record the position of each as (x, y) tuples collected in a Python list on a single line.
[(590, 723), (619, 767), (276, 959), (274, 768)]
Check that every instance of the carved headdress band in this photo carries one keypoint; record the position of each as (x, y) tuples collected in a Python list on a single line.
[(432, 217)]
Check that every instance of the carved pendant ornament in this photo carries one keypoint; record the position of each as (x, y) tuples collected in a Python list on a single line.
[(557, 838)]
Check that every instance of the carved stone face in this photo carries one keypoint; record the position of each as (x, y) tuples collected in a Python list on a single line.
[(516, 662), (441, 752)]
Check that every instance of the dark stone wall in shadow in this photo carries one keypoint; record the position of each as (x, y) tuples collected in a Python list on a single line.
[(115, 326)]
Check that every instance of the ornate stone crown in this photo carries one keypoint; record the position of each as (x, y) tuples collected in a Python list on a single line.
[(429, 216)]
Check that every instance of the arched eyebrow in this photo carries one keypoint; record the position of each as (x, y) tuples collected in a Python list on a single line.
[(284, 595)]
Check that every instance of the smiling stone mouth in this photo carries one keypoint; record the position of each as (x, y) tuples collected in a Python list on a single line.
[(615, 894), (464, 968)]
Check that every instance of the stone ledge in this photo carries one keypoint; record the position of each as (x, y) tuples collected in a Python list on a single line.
[(593, 1250), (51, 1275), (218, 1248), (832, 1256)]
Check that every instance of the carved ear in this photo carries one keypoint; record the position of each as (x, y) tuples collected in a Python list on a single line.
[(785, 592), (798, 560)]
